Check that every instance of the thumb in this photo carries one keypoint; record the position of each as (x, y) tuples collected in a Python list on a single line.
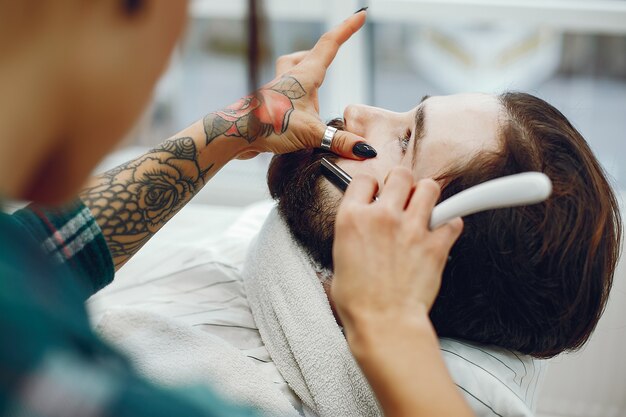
[(247, 155), (449, 233), (349, 145)]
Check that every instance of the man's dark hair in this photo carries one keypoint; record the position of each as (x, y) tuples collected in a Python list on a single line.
[(533, 279)]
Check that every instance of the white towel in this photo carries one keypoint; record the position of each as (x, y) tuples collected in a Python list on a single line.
[(174, 354), (304, 341), (298, 328)]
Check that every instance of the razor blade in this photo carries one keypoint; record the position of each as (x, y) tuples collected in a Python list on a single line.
[(510, 191)]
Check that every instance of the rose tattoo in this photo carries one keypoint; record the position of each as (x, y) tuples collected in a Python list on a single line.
[(133, 201)]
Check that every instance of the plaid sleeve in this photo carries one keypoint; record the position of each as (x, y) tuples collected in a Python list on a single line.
[(51, 362), (70, 236)]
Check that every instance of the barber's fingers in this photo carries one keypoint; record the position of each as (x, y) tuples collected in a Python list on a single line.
[(423, 201), (448, 233), (420, 209), (345, 144), (351, 146), (361, 190), (397, 188), (248, 155), (325, 50), (285, 63)]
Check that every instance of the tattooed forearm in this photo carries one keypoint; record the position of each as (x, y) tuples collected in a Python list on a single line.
[(258, 115), (133, 201)]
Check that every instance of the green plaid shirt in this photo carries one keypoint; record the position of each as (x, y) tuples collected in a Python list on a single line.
[(51, 362)]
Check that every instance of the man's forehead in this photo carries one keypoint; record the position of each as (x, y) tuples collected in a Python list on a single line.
[(455, 128), (468, 114), (463, 100)]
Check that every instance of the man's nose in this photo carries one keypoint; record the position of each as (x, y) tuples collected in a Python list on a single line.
[(357, 117)]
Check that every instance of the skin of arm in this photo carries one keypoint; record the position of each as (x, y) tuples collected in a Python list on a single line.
[(388, 267), (404, 366), (134, 200)]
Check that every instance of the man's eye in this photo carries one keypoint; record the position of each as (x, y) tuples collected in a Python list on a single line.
[(404, 141)]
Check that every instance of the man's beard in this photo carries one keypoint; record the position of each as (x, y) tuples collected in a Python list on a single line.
[(295, 180)]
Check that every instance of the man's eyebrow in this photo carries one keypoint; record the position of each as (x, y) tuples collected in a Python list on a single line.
[(419, 129)]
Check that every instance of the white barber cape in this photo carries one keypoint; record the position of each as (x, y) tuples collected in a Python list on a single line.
[(201, 302)]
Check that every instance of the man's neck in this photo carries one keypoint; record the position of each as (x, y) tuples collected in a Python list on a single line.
[(326, 283)]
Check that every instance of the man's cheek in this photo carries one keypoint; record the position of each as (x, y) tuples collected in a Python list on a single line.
[(328, 189), (353, 167), (373, 167)]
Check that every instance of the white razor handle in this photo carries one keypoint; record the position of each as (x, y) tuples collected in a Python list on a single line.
[(513, 190)]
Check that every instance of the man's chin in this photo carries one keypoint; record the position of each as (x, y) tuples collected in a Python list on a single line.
[(306, 200)]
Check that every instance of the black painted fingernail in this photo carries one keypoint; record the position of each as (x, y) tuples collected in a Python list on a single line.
[(362, 9), (364, 150)]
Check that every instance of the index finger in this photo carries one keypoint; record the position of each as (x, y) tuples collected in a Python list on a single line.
[(362, 189), (287, 62), (328, 45), (423, 200)]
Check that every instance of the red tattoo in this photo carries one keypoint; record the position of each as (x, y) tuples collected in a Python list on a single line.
[(261, 114)]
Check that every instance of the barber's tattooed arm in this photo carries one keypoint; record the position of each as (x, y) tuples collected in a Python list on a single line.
[(258, 115), (134, 200)]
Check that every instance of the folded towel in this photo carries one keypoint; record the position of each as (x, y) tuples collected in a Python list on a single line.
[(174, 354), (298, 328), (303, 339), (293, 315)]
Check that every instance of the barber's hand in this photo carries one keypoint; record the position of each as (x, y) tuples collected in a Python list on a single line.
[(283, 116), (388, 264)]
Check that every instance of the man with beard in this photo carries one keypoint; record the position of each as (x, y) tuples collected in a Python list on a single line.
[(531, 281), (516, 288)]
